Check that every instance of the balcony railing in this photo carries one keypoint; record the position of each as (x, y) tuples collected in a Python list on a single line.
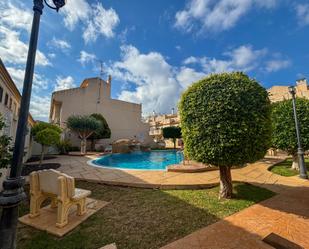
[(155, 132)]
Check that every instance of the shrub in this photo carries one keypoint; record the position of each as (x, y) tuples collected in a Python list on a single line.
[(283, 127), (101, 133), (5, 147), (225, 121), (84, 127), (172, 132), (46, 138), (45, 134), (64, 146)]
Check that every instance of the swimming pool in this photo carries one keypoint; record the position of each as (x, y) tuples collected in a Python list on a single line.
[(153, 160)]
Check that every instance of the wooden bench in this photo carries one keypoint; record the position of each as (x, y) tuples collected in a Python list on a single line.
[(60, 188)]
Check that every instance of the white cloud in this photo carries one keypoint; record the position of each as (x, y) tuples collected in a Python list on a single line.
[(151, 74), (14, 20), (15, 17), (61, 44), (158, 85), (64, 83), (243, 58), (17, 74), (302, 11), (187, 76), (277, 64), (191, 60), (86, 57), (216, 15), (51, 55), (39, 107), (13, 50), (103, 23), (74, 12), (96, 19)]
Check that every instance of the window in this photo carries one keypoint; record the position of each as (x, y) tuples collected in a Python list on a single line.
[(15, 108), (6, 100), (1, 94)]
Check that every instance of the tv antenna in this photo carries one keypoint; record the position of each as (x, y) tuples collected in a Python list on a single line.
[(101, 69)]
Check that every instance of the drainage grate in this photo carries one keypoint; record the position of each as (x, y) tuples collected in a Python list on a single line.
[(279, 242)]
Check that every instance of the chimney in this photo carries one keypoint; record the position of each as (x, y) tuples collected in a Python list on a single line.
[(173, 111), (302, 85), (301, 81), (109, 80)]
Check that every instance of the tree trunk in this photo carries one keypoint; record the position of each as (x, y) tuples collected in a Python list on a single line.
[(174, 141), (42, 155), (83, 145), (226, 187), (295, 164)]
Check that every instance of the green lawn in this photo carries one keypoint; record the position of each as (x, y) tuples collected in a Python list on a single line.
[(143, 218), (284, 168)]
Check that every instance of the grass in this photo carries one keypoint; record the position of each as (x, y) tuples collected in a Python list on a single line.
[(285, 168), (143, 218)]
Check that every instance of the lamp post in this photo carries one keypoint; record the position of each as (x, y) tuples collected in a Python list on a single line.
[(300, 151), (13, 192)]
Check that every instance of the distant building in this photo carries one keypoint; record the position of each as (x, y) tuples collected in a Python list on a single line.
[(9, 107), (94, 96), (279, 93), (158, 122)]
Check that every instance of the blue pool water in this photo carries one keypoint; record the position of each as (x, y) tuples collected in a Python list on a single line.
[(154, 160)]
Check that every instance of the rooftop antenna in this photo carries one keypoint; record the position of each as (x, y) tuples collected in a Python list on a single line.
[(101, 77), (101, 69)]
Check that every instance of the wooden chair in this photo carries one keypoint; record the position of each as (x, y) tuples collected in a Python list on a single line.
[(61, 189)]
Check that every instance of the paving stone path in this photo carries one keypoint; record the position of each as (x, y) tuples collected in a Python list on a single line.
[(286, 214)]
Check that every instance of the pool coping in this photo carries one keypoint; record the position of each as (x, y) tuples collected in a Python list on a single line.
[(91, 163), (78, 168)]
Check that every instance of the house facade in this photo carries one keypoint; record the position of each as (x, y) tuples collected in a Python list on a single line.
[(279, 93), (94, 96), (10, 99), (158, 122)]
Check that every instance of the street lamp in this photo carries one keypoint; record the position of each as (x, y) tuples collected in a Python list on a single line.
[(13, 192), (300, 151)]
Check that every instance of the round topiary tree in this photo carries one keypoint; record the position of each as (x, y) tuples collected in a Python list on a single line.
[(47, 135), (225, 122), (172, 132), (84, 127), (46, 138), (283, 127), (102, 133)]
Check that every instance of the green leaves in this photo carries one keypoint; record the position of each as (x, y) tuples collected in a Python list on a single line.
[(83, 125), (172, 132), (104, 130), (39, 126), (48, 137), (46, 134), (225, 120), (283, 125), (5, 147)]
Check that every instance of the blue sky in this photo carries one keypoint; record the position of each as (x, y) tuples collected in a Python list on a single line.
[(155, 49)]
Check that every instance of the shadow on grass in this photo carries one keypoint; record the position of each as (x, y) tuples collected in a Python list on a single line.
[(285, 168), (143, 218), (149, 219)]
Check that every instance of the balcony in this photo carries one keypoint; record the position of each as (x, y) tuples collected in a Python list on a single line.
[(157, 132)]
